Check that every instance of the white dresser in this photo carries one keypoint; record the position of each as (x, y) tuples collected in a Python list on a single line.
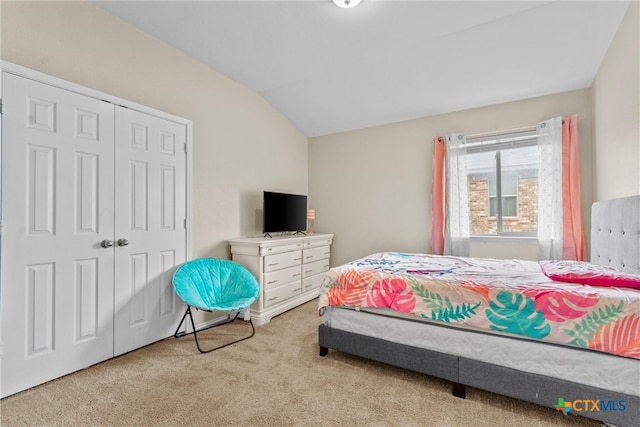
[(289, 270)]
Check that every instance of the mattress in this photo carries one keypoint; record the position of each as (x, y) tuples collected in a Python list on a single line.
[(577, 365), (515, 297)]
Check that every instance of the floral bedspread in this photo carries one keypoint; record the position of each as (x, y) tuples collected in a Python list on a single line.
[(510, 296)]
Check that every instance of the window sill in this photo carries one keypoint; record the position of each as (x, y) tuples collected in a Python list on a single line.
[(505, 239)]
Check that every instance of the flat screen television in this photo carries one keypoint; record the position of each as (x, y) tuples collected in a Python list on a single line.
[(283, 212)]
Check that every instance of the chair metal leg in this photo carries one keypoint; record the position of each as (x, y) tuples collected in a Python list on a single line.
[(195, 331), (181, 334)]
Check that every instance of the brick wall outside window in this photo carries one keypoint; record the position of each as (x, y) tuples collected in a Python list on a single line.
[(527, 219)]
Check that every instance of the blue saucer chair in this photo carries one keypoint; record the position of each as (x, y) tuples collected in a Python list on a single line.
[(212, 284)]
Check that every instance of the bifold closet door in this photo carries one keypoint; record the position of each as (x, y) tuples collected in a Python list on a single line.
[(150, 234), (57, 292), (94, 213)]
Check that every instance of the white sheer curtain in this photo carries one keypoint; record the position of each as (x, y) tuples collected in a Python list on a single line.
[(457, 229), (550, 189)]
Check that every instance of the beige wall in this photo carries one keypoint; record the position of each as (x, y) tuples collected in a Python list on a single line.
[(616, 111), (372, 187), (240, 142)]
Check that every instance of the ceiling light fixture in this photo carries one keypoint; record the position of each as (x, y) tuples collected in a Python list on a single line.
[(346, 3)]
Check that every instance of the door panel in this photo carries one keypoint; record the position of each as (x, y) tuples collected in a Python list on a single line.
[(56, 296), (150, 196)]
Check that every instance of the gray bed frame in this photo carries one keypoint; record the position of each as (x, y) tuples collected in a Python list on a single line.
[(615, 240)]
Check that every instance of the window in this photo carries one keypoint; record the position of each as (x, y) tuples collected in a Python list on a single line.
[(509, 195), (502, 176)]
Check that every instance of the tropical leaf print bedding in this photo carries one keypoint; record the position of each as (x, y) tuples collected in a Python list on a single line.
[(509, 296)]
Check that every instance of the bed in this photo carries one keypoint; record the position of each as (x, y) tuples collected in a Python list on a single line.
[(573, 347)]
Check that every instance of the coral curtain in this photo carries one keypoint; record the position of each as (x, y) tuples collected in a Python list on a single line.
[(573, 242), (560, 229), (438, 197)]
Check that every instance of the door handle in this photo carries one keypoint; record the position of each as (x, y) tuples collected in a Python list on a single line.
[(123, 242), (106, 243)]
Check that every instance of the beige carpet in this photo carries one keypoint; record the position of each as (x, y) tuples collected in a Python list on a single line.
[(276, 378)]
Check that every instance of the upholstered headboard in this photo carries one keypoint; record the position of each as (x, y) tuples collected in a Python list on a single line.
[(615, 233)]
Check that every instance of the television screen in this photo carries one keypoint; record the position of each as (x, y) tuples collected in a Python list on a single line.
[(284, 212)]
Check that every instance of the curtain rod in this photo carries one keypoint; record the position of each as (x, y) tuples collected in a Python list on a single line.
[(499, 132)]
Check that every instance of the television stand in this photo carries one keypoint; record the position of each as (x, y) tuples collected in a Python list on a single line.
[(288, 235)]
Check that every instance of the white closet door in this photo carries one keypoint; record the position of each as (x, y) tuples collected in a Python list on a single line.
[(150, 199), (57, 293)]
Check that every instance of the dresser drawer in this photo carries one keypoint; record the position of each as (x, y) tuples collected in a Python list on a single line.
[(315, 254), (283, 260), (279, 249), (312, 283), (318, 242), (316, 267), (280, 277), (281, 293)]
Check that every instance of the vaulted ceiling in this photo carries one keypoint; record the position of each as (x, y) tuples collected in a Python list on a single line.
[(329, 69)]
